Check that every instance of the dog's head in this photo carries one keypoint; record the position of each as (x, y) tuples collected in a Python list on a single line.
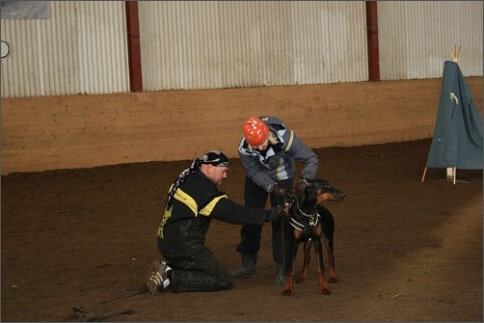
[(319, 191)]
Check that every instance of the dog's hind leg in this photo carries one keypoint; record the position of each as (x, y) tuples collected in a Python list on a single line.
[(318, 252), (307, 258), (327, 222), (328, 245)]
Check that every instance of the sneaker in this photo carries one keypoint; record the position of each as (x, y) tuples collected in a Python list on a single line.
[(158, 279)]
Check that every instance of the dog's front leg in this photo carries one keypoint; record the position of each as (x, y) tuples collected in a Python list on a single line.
[(318, 252), (307, 258), (328, 245), (288, 286), (327, 223)]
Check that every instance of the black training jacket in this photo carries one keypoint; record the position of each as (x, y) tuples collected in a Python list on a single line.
[(183, 227)]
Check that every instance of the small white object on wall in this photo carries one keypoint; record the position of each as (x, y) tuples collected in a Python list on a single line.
[(5, 49)]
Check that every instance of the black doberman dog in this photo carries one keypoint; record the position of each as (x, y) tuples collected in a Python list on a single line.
[(311, 222)]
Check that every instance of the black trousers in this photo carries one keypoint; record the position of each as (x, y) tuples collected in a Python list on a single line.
[(199, 272), (250, 235)]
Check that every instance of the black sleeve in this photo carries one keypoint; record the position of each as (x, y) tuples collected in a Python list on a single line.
[(228, 211)]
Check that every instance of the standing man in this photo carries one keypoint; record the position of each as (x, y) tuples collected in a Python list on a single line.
[(269, 151), (192, 202)]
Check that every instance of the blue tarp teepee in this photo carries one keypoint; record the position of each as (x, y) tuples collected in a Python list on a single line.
[(457, 140)]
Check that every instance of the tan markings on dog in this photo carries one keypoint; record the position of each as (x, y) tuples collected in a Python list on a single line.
[(297, 234), (307, 257), (322, 197), (317, 231)]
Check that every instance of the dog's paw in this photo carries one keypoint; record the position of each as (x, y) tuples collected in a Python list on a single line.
[(325, 291), (287, 292)]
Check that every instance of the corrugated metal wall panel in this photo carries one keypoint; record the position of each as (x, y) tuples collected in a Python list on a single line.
[(60, 51), (240, 35), (415, 37), (186, 45), (18, 68), (198, 50), (225, 44), (276, 46), (344, 27), (216, 44), (309, 44), (80, 49), (102, 47)]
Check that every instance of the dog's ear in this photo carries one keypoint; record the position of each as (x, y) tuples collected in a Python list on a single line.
[(310, 193), (321, 183), (302, 197)]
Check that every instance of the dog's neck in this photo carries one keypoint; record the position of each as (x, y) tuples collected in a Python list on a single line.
[(307, 208)]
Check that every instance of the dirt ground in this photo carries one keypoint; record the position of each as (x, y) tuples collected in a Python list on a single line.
[(405, 250)]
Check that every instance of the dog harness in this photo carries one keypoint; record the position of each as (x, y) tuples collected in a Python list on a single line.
[(304, 222)]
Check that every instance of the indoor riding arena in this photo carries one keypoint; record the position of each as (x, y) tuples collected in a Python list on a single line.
[(100, 115)]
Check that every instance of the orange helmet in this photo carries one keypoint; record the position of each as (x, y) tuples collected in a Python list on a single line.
[(255, 131)]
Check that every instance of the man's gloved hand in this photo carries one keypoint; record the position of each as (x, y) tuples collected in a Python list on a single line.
[(301, 187), (275, 213), (278, 190)]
